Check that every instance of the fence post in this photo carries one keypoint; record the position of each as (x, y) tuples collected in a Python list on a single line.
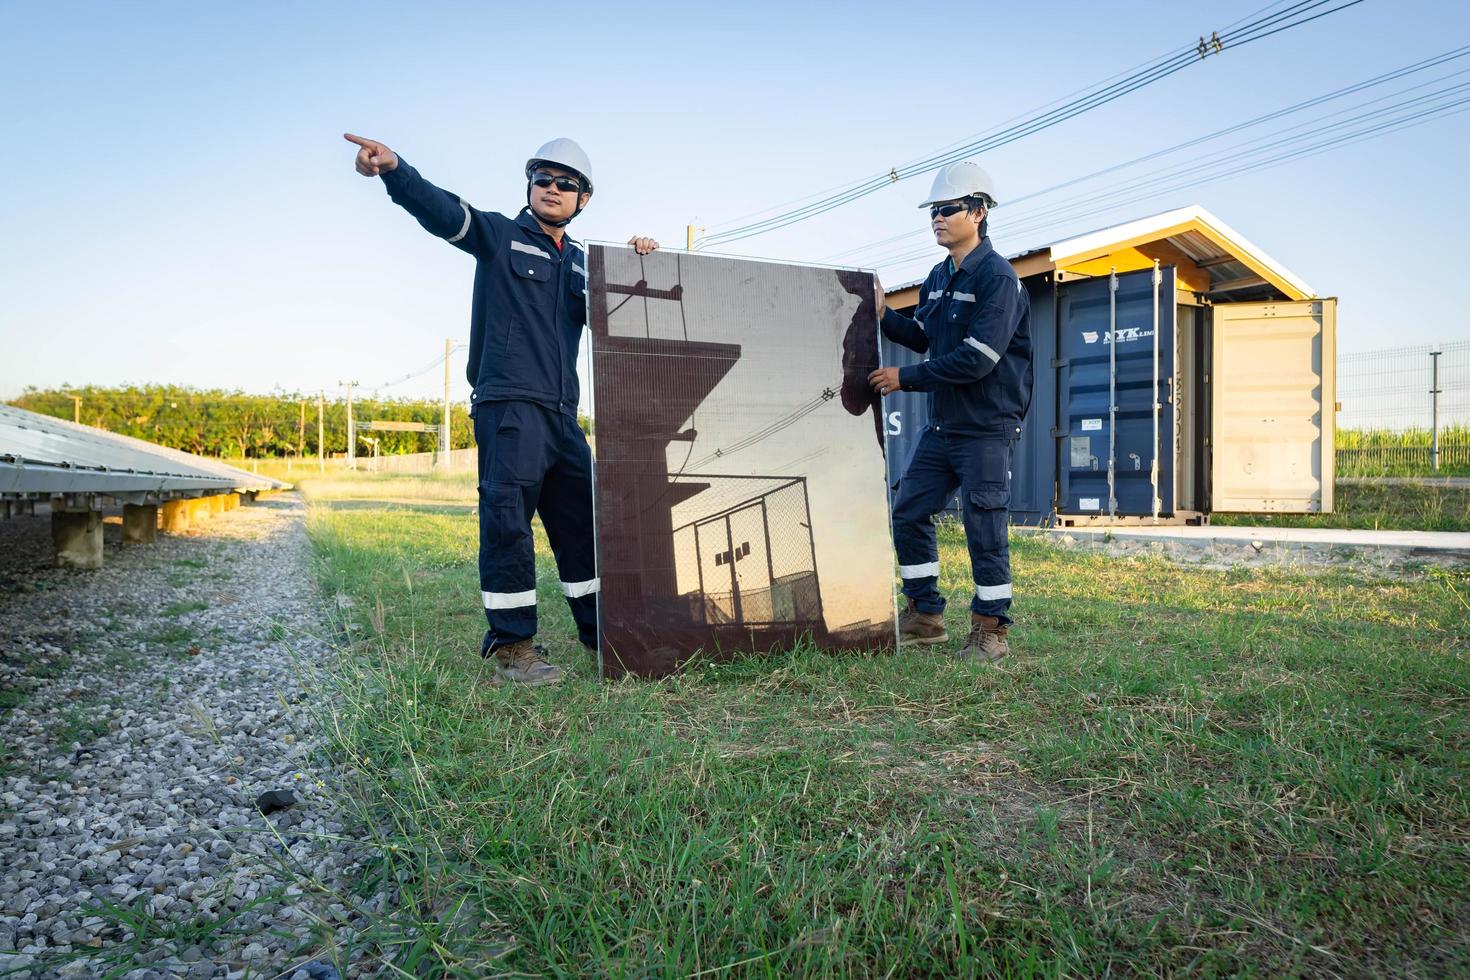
[(1434, 408)]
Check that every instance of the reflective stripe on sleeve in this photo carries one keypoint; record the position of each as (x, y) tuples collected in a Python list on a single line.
[(464, 229), (984, 349)]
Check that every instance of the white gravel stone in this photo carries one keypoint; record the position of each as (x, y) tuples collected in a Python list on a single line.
[(159, 703)]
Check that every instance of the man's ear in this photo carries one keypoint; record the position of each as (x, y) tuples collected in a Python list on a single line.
[(583, 198), (979, 215)]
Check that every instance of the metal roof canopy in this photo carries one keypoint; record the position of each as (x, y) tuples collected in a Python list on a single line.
[(1210, 257), (41, 455)]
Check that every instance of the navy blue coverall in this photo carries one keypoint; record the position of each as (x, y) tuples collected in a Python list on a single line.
[(974, 324), (530, 304)]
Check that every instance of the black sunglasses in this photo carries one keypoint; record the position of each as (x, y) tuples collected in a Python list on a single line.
[(945, 210), (569, 184)]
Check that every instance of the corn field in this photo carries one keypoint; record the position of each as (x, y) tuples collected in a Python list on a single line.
[(1392, 402)]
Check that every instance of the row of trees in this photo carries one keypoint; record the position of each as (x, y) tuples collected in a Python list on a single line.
[(236, 424)]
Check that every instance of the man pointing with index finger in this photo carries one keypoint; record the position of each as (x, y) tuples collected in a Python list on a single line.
[(525, 326)]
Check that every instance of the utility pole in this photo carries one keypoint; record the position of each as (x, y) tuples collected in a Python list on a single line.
[(351, 435), (76, 408), (689, 232), (321, 430), (301, 432), (444, 440), (1434, 393)]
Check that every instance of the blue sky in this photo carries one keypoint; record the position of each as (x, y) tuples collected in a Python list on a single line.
[(180, 206)]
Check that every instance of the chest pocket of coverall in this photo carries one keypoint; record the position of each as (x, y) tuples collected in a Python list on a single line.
[(533, 276), (962, 313)]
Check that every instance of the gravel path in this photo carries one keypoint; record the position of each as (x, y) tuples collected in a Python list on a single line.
[(143, 710)]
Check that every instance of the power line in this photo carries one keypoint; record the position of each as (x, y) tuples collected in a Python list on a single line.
[(1343, 92), (1225, 160), (741, 219), (425, 369), (1195, 175), (1293, 16)]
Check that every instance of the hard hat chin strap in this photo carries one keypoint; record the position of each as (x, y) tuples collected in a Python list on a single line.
[(555, 224)]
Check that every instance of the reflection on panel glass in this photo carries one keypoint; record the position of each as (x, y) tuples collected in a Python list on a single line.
[(741, 498)]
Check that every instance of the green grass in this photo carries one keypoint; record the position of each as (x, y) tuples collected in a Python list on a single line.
[(1378, 507), (174, 635), (80, 723), (1178, 770)]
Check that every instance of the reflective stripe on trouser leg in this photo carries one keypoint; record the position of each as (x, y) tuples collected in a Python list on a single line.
[(507, 564), (922, 492), (991, 566), (987, 519), (566, 513), (511, 441)]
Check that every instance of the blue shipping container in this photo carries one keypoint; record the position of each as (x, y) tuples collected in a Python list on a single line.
[(1094, 350)]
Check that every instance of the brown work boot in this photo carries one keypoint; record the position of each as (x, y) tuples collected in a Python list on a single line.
[(987, 640), (521, 663), (921, 627)]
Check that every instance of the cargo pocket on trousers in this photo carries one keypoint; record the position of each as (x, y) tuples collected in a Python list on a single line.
[(506, 507), (988, 516), (989, 498)]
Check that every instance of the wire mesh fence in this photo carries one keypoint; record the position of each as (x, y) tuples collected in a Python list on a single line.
[(1404, 411), (751, 562)]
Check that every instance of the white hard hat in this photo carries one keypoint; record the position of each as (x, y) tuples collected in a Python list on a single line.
[(566, 154), (962, 179)]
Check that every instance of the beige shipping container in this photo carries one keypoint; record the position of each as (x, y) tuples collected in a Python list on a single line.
[(1179, 371)]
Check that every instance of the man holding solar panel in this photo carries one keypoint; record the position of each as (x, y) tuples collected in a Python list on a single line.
[(530, 304), (973, 322)]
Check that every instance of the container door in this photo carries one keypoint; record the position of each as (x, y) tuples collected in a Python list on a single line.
[(1273, 392), (1116, 354)]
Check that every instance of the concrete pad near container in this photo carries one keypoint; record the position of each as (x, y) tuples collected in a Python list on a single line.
[(1232, 546)]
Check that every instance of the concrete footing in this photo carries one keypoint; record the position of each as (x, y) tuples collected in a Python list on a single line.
[(175, 516), (199, 511), (232, 501), (140, 523), (216, 503), (77, 536)]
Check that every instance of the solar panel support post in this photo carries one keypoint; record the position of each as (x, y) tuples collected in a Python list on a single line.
[(76, 536), (140, 523), (175, 516)]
